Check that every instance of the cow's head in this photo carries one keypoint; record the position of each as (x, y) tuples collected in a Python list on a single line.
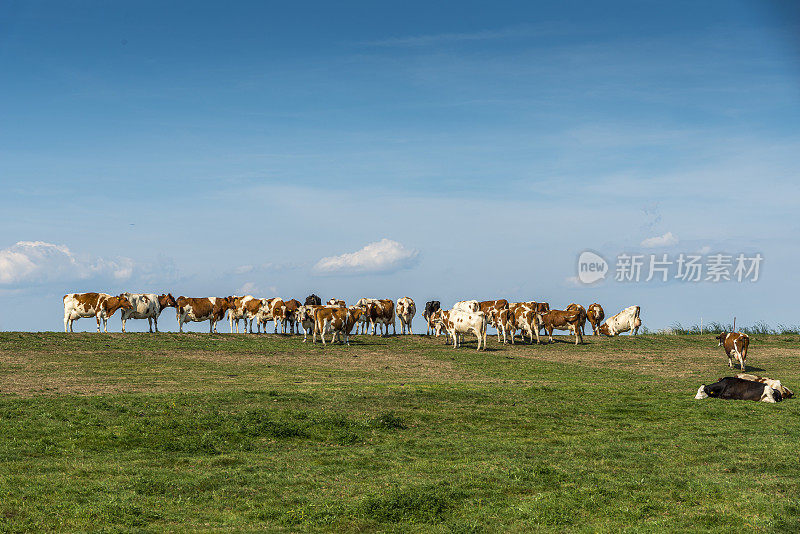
[(605, 330), (167, 301), (701, 393), (721, 338)]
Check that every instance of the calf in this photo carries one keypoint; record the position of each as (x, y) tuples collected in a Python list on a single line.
[(406, 309), (785, 392), (561, 320), (625, 321), (739, 389), (430, 308), (735, 345), (595, 315), (582, 320), (146, 306), (211, 309), (101, 306)]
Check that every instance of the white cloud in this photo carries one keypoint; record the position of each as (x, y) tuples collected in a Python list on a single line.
[(384, 256), (35, 262), (666, 240)]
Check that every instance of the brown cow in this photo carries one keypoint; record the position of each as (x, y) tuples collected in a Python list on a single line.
[(337, 320), (582, 320), (487, 306), (735, 345), (211, 309), (561, 320), (381, 312), (101, 306), (505, 321), (595, 315)]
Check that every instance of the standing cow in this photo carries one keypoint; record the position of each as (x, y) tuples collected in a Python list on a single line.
[(146, 306), (211, 309), (406, 309), (582, 319), (431, 307), (101, 306), (735, 345), (595, 315)]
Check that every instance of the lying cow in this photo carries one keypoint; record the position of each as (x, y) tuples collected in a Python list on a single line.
[(101, 306), (406, 309), (431, 307), (561, 320), (146, 306), (595, 315), (211, 309), (625, 321), (785, 392), (739, 389), (735, 345)]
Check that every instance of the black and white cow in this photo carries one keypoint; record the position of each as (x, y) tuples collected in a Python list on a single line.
[(739, 389), (431, 307)]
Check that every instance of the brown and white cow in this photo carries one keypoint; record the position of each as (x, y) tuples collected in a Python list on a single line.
[(279, 314), (339, 321), (236, 312), (625, 321), (146, 306), (406, 309), (561, 320), (337, 302), (211, 309), (305, 318), (441, 321), (487, 306), (582, 320), (785, 392), (101, 306), (505, 321), (735, 345), (595, 315), (467, 305), (381, 312), (263, 316), (465, 322), (431, 307), (363, 320)]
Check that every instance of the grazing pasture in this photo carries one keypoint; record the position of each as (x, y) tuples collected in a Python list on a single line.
[(208, 432)]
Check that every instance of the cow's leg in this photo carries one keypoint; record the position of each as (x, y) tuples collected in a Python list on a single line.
[(105, 325), (66, 323), (155, 322), (123, 325), (730, 361), (180, 323), (394, 328)]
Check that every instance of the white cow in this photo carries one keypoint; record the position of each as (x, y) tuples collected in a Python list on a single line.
[(406, 309), (625, 321), (467, 305), (146, 306), (101, 306), (465, 322)]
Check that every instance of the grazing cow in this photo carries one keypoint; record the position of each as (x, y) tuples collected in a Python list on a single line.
[(337, 302), (291, 310), (464, 322), (561, 320), (625, 321), (735, 345), (505, 322), (211, 309), (381, 312), (785, 392), (595, 314), (441, 321), (305, 318), (739, 389), (406, 309), (430, 308), (337, 320), (146, 306), (101, 306), (467, 305), (582, 320), (313, 300)]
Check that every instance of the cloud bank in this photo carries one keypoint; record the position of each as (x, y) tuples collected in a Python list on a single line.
[(666, 240), (38, 262), (384, 256)]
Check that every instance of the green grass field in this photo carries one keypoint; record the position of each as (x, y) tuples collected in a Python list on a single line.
[(197, 432)]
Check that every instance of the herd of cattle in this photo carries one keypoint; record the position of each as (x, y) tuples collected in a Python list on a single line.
[(336, 318), (465, 317)]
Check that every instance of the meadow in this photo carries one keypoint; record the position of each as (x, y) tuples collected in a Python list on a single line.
[(188, 432)]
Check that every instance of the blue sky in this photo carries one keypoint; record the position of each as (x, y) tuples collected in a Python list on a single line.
[(210, 149)]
